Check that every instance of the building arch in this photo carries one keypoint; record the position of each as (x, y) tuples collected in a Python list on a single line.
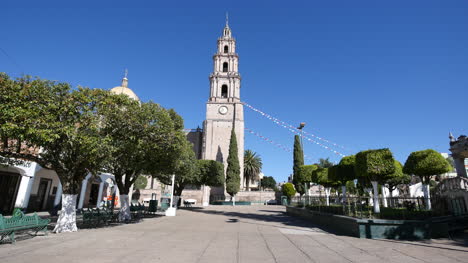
[(224, 91)]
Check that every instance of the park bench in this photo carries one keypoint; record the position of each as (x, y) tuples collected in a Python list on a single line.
[(138, 210), (96, 216), (18, 222)]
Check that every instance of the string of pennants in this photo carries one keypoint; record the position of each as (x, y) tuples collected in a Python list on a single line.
[(278, 145), (293, 129)]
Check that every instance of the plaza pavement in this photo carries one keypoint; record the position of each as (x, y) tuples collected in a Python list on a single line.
[(223, 234)]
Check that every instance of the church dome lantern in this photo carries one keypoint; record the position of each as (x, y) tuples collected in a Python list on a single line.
[(123, 89)]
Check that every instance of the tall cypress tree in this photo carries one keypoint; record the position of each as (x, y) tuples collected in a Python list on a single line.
[(233, 167), (298, 162)]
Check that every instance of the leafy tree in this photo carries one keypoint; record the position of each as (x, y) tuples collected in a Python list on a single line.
[(233, 168), (325, 163), (268, 182), (252, 167), (143, 141), (298, 161), (186, 170), (141, 182), (375, 165), (210, 172), (288, 190), (48, 123), (425, 164)]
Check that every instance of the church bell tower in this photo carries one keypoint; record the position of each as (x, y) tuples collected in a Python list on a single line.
[(224, 109)]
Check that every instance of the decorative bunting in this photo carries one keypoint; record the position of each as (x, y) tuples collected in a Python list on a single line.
[(293, 129), (277, 145)]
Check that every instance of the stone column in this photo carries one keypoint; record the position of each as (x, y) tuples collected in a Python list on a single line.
[(25, 188), (99, 199), (460, 166), (58, 195), (84, 185)]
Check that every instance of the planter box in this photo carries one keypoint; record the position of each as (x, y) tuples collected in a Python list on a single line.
[(381, 228)]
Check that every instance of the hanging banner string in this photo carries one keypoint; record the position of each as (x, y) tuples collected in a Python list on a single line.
[(277, 145), (294, 130), (266, 115)]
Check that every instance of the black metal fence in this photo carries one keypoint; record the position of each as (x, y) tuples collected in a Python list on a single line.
[(390, 208)]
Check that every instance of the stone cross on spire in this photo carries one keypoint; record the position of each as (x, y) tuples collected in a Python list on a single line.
[(227, 19)]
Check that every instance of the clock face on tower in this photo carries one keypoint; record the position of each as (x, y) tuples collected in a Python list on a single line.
[(223, 110)]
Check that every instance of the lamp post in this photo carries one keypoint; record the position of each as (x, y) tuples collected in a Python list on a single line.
[(301, 126), (171, 211)]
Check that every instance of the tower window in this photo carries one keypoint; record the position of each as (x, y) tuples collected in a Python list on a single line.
[(226, 49), (224, 91), (225, 67)]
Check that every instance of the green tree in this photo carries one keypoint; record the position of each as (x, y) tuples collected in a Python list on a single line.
[(298, 161), (305, 174), (143, 141), (375, 165), (325, 163), (345, 172), (397, 178), (268, 182), (288, 190), (321, 177), (252, 167), (425, 164), (141, 182), (233, 168), (211, 172), (186, 170), (58, 128)]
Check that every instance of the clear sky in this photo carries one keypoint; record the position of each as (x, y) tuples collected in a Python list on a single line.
[(363, 74)]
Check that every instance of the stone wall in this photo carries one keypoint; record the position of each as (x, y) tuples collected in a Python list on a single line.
[(256, 196)]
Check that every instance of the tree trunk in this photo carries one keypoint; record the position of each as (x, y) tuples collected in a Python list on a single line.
[(67, 219), (376, 197), (247, 183), (124, 214), (369, 191), (427, 196), (384, 196), (327, 195), (234, 201), (343, 193)]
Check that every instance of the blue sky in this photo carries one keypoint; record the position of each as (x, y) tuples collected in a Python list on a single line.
[(363, 74)]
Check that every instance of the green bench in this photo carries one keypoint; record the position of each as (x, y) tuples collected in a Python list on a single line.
[(96, 216), (138, 210), (18, 222)]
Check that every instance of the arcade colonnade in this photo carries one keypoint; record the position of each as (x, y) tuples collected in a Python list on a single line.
[(34, 188)]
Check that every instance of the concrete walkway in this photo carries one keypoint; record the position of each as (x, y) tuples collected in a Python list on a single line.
[(223, 234)]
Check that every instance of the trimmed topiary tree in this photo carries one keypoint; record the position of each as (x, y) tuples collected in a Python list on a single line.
[(376, 165), (233, 169), (304, 175), (425, 164), (288, 190), (397, 178), (321, 177), (345, 172)]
